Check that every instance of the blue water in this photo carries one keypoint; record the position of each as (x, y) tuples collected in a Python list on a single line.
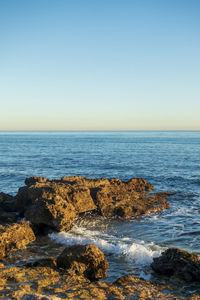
[(170, 160)]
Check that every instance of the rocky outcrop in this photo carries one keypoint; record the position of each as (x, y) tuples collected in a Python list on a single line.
[(7, 217), (56, 203), (55, 213), (179, 263), (7, 209), (117, 200), (7, 202), (43, 280), (15, 237), (85, 260)]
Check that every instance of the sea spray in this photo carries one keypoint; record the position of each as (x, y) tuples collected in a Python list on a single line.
[(137, 252)]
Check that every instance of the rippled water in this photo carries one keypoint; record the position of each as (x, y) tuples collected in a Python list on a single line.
[(168, 160)]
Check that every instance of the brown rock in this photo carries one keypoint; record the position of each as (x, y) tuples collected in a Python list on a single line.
[(15, 237), (55, 213), (139, 185), (120, 201), (40, 281), (81, 199), (84, 259), (56, 203), (179, 263), (32, 180)]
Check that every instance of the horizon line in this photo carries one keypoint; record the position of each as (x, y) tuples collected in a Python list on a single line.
[(93, 130)]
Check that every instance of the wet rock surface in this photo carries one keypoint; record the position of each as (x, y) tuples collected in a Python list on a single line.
[(56, 203), (178, 263)]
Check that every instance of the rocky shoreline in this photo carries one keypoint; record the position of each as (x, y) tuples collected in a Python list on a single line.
[(77, 271)]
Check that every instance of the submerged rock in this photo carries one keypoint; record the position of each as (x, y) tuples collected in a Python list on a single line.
[(15, 237), (85, 260), (56, 203), (179, 263)]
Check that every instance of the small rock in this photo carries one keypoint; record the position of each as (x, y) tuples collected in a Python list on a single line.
[(85, 259), (178, 263), (15, 237)]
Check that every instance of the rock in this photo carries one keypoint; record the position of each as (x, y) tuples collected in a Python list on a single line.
[(7, 217), (42, 262), (139, 185), (120, 201), (55, 213), (56, 203), (7, 202), (179, 263), (84, 259), (41, 282), (81, 199), (36, 297), (15, 237), (137, 288), (32, 180)]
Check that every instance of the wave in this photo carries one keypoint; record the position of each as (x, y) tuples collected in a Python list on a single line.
[(138, 252)]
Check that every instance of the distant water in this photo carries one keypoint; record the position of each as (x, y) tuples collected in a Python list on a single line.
[(170, 160)]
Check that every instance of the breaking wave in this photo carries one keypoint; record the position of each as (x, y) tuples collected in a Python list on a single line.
[(139, 253)]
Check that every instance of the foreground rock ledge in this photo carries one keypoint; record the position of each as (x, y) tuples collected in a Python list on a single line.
[(178, 263), (74, 275), (56, 203)]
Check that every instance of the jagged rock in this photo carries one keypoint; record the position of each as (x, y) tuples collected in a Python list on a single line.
[(139, 185), (45, 283), (179, 263), (56, 203), (32, 180), (55, 213), (38, 297), (15, 237), (120, 201), (7, 202), (42, 262), (81, 199), (84, 259), (7, 217)]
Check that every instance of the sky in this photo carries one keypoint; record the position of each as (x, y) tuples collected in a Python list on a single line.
[(99, 65)]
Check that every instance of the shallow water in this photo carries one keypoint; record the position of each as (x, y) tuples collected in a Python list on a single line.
[(168, 160)]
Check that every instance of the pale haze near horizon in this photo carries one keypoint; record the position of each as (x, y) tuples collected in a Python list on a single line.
[(99, 65)]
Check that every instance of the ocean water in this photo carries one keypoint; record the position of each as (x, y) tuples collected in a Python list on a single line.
[(170, 160)]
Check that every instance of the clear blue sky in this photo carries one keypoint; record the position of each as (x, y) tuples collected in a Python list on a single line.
[(99, 64)]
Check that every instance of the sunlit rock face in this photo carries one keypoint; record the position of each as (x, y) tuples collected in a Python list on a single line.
[(56, 203)]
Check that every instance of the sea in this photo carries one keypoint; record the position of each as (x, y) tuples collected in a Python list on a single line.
[(170, 160)]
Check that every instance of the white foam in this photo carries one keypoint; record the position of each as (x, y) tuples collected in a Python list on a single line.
[(137, 252)]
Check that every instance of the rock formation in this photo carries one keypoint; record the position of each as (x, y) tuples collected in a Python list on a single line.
[(85, 260), (178, 263), (56, 203), (15, 237), (43, 279)]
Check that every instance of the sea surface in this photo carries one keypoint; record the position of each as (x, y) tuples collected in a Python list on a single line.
[(170, 160)]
